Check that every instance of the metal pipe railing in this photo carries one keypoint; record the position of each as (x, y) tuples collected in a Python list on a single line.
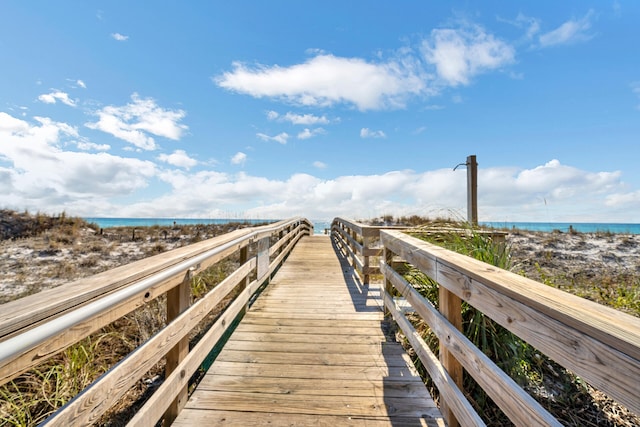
[(21, 343)]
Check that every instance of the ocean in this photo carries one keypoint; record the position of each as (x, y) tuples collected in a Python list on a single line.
[(321, 225)]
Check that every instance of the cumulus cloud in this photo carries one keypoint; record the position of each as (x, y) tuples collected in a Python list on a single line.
[(281, 137), (91, 146), (239, 158), (368, 133), (460, 54), (572, 31), (326, 80), (298, 119), (119, 37), (135, 121), (43, 176), (310, 133), (552, 191), (53, 97), (38, 172), (178, 158)]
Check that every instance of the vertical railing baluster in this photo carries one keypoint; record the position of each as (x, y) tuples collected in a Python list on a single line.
[(388, 286), (450, 305), (178, 299), (365, 251)]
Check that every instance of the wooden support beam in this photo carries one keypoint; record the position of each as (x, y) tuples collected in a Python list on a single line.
[(178, 300), (451, 308)]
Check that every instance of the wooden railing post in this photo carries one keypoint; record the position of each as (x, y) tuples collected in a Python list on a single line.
[(365, 266), (178, 299), (451, 308), (244, 257), (388, 286), (263, 258)]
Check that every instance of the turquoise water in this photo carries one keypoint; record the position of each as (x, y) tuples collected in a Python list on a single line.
[(319, 226), (582, 227)]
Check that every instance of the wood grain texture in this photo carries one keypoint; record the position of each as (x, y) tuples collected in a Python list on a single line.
[(598, 343), (314, 349)]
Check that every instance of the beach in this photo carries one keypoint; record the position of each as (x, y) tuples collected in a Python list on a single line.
[(568, 259)]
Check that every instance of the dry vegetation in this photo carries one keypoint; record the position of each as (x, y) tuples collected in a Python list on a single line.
[(40, 252), (603, 267)]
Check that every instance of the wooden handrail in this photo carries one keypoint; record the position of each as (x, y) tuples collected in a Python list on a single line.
[(597, 343), (361, 243), (60, 321)]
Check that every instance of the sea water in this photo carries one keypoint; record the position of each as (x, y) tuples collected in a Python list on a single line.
[(321, 225), (582, 227)]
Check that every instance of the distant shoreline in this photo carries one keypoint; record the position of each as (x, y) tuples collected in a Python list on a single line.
[(581, 227)]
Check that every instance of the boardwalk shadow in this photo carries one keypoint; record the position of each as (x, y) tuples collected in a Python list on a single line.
[(359, 292), (406, 399)]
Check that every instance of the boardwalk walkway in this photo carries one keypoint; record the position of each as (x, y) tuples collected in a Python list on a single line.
[(312, 351)]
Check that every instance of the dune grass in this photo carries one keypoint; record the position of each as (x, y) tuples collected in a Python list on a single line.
[(562, 393)]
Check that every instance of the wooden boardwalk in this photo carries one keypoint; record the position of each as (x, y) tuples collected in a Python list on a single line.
[(312, 351)]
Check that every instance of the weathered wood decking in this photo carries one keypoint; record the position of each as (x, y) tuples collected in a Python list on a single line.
[(312, 351)]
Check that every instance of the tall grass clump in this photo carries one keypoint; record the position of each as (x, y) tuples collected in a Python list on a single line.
[(504, 348), (563, 394)]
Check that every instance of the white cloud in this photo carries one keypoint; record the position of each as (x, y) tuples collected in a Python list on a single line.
[(39, 174), (134, 121), (572, 31), (281, 137), (90, 146), (319, 165), (326, 80), (53, 97), (461, 54), (178, 158), (119, 37), (239, 158), (310, 133), (298, 119), (368, 133), (44, 176), (527, 23)]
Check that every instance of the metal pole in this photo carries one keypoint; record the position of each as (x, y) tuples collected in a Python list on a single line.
[(472, 190)]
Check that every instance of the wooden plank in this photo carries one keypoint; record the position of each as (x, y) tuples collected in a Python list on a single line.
[(303, 328), (519, 406), (306, 358), (457, 402), (31, 310), (306, 353), (600, 344), (378, 407), (196, 417), (302, 371), (93, 402), (314, 347), (393, 387), (178, 300)]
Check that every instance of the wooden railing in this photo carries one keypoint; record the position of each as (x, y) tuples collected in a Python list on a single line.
[(38, 327), (361, 243), (599, 344)]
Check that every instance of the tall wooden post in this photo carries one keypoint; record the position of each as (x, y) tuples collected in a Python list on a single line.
[(472, 190), (450, 306), (178, 299)]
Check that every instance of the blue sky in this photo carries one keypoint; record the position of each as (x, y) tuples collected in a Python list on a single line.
[(273, 109)]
